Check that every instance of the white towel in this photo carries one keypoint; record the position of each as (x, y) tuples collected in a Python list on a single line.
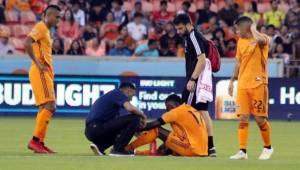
[(204, 85)]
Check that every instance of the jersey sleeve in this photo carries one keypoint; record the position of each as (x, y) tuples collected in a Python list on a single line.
[(37, 33), (196, 43), (170, 116), (120, 99)]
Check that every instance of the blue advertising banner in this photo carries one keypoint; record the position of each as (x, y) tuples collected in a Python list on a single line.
[(75, 94)]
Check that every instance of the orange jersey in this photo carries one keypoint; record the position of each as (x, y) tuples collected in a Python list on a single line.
[(187, 122), (253, 63), (42, 46)]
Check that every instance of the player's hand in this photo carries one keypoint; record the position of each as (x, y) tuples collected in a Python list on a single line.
[(143, 123), (42, 67), (253, 26), (230, 88), (191, 86)]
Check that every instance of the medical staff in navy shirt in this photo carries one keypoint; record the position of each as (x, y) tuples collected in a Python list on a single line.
[(105, 127)]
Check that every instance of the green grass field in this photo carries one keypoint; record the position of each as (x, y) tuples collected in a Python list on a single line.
[(66, 137)]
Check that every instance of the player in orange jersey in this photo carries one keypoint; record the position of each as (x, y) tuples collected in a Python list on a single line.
[(38, 45), (252, 91), (188, 136)]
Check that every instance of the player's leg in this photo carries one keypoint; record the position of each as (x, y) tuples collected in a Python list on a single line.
[(243, 111), (147, 138), (260, 111), (203, 109), (43, 90), (209, 125), (179, 145), (265, 131), (43, 119), (117, 132), (143, 139)]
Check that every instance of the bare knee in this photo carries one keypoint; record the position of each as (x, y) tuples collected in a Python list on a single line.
[(244, 118), (260, 120), (50, 106)]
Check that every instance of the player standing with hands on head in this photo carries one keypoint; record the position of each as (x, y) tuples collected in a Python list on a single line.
[(252, 90), (196, 47), (38, 45)]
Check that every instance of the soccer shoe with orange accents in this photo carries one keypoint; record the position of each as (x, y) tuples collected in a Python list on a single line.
[(37, 147), (50, 151)]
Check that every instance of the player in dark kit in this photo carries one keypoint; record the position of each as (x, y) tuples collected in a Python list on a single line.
[(196, 47)]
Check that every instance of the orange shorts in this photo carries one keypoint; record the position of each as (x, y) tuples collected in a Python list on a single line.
[(178, 145), (42, 85), (253, 101)]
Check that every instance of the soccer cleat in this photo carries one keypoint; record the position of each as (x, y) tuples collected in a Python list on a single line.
[(212, 152), (36, 146), (50, 151), (124, 152), (96, 150), (266, 154), (239, 156)]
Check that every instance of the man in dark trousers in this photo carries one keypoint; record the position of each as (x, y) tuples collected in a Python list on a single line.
[(196, 46), (105, 126)]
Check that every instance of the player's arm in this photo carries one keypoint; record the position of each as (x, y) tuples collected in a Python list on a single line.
[(132, 109), (154, 124), (28, 47), (259, 37), (199, 66), (234, 77)]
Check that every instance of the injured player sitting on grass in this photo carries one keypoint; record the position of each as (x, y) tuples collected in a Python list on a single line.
[(187, 138)]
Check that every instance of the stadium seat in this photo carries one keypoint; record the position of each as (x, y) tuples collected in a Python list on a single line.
[(5, 28), (20, 31), (28, 17), (18, 44), (11, 17)]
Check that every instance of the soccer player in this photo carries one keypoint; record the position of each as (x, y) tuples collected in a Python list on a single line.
[(38, 45), (252, 91), (196, 48), (189, 134), (106, 127)]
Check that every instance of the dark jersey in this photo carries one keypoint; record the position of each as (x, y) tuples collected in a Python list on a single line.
[(195, 45)]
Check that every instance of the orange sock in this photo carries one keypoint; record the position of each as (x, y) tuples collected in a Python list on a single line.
[(243, 134), (42, 119), (265, 131), (144, 138)]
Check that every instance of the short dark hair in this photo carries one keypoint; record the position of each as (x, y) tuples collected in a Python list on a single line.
[(270, 26), (187, 4), (138, 14), (127, 85), (137, 3), (182, 19), (173, 98), (243, 19), (52, 7), (120, 2), (163, 2)]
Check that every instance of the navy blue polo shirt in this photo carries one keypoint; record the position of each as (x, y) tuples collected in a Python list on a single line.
[(107, 107)]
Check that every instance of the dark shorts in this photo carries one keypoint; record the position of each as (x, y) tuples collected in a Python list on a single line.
[(198, 106)]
